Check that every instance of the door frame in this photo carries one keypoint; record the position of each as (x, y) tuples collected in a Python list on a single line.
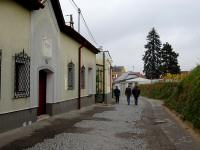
[(49, 88)]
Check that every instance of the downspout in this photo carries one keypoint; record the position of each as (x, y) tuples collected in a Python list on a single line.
[(111, 82), (79, 76), (104, 77)]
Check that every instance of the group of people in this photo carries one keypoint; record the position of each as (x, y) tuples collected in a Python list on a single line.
[(128, 92)]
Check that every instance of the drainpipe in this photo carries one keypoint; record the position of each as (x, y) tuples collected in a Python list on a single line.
[(104, 76), (111, 83), (79, 76)]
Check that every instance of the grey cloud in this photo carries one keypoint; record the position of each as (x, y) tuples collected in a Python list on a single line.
[(122, 27)]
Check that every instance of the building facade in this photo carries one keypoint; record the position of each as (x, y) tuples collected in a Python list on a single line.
[(117, 71), (104, 77), (46, 66)]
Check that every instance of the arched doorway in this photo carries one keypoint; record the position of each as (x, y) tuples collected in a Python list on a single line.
[(42, 92)]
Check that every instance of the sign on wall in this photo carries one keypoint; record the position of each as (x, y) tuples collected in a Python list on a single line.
[(47, 47)]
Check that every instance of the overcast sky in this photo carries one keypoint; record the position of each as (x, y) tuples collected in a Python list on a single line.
[(121, 26)]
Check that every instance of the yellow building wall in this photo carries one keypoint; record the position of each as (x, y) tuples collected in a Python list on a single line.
[(89, 61), (99, 58), (15, 36), (107, 77), (69, 53)]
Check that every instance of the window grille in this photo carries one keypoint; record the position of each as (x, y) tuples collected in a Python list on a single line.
[(99, 80), (71, 78), (82, 77), (22, 75)]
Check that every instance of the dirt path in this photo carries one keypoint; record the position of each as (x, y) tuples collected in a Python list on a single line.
[(163, 130)]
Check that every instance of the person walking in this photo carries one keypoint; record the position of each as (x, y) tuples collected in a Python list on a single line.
[(136, 93), (128, 94), (117, 94)]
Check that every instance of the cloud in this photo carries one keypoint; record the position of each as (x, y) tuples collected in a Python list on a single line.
[(122, 27)]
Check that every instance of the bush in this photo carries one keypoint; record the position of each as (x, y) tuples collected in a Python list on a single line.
[(184, 97)]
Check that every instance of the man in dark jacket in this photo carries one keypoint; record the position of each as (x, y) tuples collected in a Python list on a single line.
[(128, 94), (117, 94), (136, 93)]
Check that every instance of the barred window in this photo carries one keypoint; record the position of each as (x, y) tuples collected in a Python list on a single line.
[(99, 80), (82, 77), (22, 75), (71, 78)]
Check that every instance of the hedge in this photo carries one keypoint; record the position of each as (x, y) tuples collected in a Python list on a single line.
[(183, 97)]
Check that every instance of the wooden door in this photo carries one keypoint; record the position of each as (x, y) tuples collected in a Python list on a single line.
[(42, 92)]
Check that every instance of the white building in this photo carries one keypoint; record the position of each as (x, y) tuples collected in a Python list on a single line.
[(130, 78), (46, 66)]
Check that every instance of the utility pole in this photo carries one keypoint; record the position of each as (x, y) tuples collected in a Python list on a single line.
[(71, 21), (79, 14)]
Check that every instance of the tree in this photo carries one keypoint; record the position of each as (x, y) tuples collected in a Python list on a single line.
[(169, 60), (152, 57)]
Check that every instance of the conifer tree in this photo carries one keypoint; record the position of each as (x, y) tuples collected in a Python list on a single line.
[(152, 57), (169, 60)]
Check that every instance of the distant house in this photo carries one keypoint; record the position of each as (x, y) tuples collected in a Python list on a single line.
[(103, 77), (117, 71), (130, 78), (46, 67)]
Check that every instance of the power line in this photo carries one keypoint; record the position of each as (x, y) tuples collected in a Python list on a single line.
[(84, 21), (75, 4), (88, 29)]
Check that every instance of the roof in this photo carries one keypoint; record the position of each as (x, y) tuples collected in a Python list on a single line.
[(31, 4), (68, 30), (139, 80), (128, 75), (36, 4)]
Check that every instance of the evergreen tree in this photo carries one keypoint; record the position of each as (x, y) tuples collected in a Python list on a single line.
[(152, 57), (169, 60)]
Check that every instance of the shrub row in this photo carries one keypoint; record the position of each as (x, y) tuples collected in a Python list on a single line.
[(183, 97)]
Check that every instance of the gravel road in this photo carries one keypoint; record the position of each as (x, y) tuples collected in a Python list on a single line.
[(108, 130), (147, 126)]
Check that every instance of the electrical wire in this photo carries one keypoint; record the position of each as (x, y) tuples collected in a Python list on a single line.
[(75, 4), (88, 29), (84, 21)]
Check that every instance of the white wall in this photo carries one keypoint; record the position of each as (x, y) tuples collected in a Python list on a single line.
[(45, 31)]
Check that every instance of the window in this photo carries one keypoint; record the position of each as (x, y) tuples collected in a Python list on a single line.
[(22, 75), (82, 77), (71, 76), (90, 81)]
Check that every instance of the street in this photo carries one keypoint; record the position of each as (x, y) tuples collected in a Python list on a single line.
[(147, 126)]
